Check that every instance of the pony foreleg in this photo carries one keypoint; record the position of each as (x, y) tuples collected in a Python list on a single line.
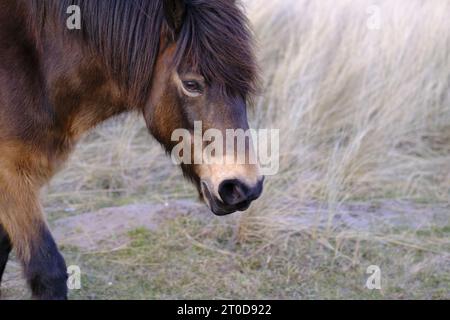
[(23, 221), (46, 269), (5, 249)]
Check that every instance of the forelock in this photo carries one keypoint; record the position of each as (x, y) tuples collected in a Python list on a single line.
[(216, 41)]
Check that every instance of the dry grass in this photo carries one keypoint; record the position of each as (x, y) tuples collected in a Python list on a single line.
[(364, 115)]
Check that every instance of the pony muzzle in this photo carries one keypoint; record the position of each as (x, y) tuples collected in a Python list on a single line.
[(230, 195)]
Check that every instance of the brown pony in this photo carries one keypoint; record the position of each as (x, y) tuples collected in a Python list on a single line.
[(176, 61)]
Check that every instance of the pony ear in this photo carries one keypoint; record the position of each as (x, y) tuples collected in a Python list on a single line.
[(174, 11)]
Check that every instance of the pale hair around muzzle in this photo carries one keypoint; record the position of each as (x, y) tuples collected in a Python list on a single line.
[(214, 174)]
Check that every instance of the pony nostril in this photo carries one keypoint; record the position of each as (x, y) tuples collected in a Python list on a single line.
[(233, 192)]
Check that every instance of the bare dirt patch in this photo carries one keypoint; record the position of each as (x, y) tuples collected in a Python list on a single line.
[(107, 228), (374, 216)]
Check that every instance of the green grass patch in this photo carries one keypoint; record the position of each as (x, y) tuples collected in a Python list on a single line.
[(188, 258)]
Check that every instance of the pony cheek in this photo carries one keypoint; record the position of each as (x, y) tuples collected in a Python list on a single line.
[(162, 120)]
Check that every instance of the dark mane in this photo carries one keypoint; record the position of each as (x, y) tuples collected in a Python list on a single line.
[(215, 39), (124, 32)]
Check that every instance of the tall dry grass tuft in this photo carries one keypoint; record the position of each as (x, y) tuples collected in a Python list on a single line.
[(363, 114)]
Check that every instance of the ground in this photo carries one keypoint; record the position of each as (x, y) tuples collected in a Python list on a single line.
[(178, 250)]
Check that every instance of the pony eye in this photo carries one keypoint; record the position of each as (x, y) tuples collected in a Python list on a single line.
[(193, 86)]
